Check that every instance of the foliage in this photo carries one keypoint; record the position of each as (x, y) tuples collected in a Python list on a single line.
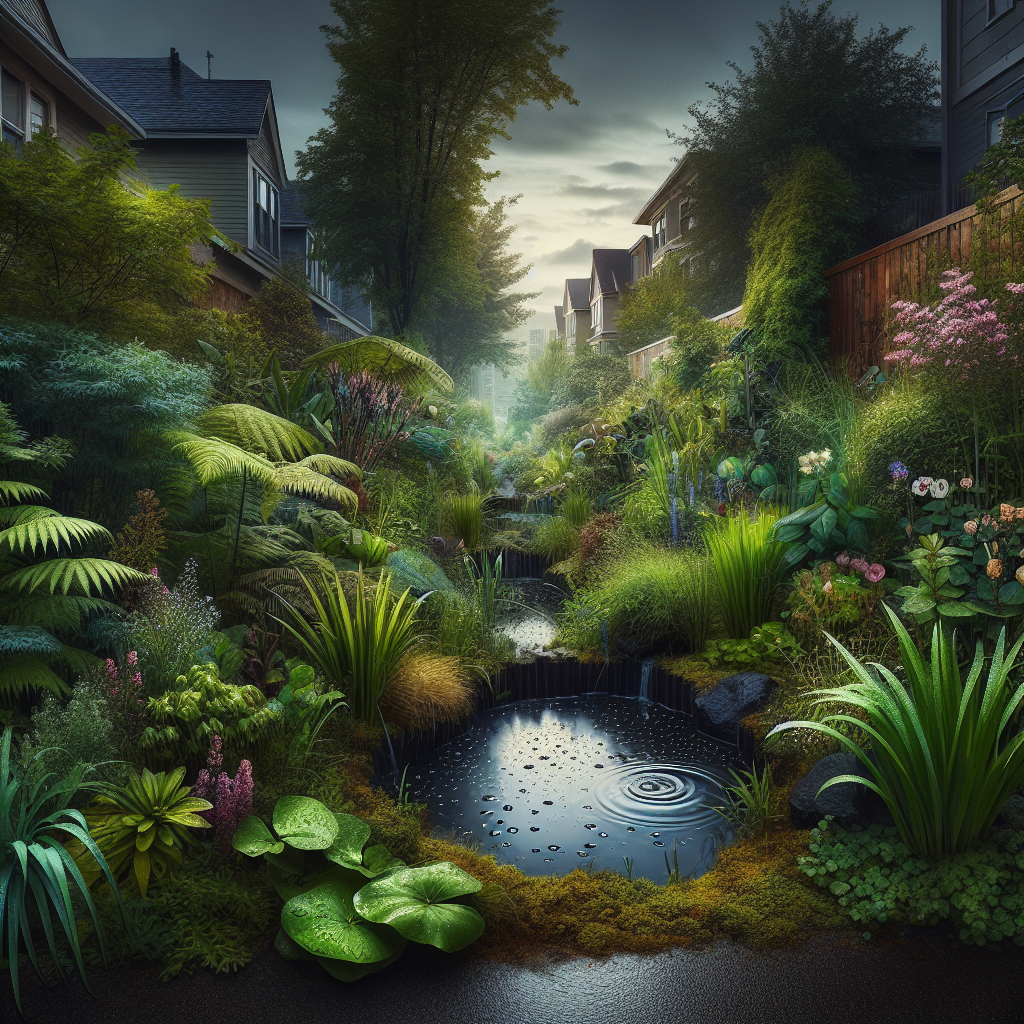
[(284, 320), (393, 206), (428, 688), (944, 756), (772, 641), (353, 927), (37, 874), (813, 82), (649, 599), (557, 537), (142, 828), (748, 561), (357, 648), (592, 381), (186, 719), (473, 309), (807, 226), (465, 517), (837, 601), (695, 345), (142, 538), (1000, 164), (648, 310), (416, 572), (534, 395), (80, 247), (751, 801), (231, 797), (385, 360), (876, 877), (305, 705)]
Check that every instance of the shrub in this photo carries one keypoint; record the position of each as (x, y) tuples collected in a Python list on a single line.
[(282, 316), (747, 560), (592, 381), (695, 343), (945, 756), (876, 877), (560, 421), (556, 538), (428, 688), (647, 311), (142, 538)]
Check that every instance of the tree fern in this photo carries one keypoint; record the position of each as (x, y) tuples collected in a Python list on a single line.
[(300, 480), (213, 459), (68, 575), (258, 431), (36, 535), (385, 359), (15, 490)]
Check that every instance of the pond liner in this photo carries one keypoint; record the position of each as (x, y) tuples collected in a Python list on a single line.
[(546, 678), (515, 564)]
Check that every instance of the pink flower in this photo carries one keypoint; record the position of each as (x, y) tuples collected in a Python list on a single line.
[(859, 565), (202, 787), (987, 520), (843, 559), (154, 571), (133, 658), (967, 483), (971, 527), (874, 573), (111, 670)]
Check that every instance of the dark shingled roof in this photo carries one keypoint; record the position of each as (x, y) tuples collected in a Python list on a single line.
[(34, 13), (292, 211), (579, 292), (613, 267), (559, 321), (168, 97)]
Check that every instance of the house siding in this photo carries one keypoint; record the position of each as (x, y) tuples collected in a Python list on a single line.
[(262, 150), (216, 170)]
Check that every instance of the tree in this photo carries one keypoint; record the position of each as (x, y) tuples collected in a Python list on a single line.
[(534, 395), (814, 83), (648, 309), (466, 322), (807, 227), (423, 89), (283, 319), (76, 245)]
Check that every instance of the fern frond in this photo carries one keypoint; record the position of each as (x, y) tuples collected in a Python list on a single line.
[(385, 359), (258, 431), (64, 575), (296, 479), (38, 535), (15, 490), (57, 613), (12, 514), (24, 672), (331, 466), (27, 640), (213, 460)]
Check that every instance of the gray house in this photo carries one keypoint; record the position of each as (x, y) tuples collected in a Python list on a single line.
[(610, 276), (576, 312), (218, 139)]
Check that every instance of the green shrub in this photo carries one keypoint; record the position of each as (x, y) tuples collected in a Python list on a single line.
[(591, 381), (770, 642), (695, 344), (876, 877), (556, 538)]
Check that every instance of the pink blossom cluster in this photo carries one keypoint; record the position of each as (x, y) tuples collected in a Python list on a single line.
[(231, 797), (873, 572), (961, 332), (114, 676)]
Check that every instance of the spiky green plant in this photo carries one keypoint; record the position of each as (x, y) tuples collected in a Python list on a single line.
[(466, 517), (358, 648), (747, 559), (38, 875), (946, 752)]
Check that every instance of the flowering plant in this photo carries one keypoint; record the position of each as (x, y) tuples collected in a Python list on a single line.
[(831, 599)]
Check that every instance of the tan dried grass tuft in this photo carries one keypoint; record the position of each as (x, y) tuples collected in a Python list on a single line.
[(428, 688)]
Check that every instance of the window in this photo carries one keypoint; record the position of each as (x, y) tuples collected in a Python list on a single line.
[(996, 8), (12, 109), (319, 282), (595, 317), (994, 130), (265, 212), (685, 217), (659, 231), (39, 114)]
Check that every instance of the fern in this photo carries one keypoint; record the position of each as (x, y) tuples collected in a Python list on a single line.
[(258, 431), (298, 479), (332, 466), (37, 534), (63, 575), (15, 490), (214, 459), (385, 359)]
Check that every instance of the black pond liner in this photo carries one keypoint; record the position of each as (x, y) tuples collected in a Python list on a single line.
[(574, 767)]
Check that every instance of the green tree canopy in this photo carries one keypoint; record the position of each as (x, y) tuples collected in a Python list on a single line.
[(814, 82), (648, 310), (79, 246), (283, 318), (423, 89), (471, 312)]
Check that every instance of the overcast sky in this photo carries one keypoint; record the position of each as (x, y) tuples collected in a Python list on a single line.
[(584, 172)]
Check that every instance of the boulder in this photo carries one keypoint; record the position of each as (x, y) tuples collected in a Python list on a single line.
[(1012, 814), (846, 802), (721, 709)]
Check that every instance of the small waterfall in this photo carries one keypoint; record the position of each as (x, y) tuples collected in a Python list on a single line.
[(645, 679), (391, 749)]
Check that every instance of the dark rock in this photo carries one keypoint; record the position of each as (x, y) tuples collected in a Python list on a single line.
[(1012, 814), (732, 699), (847, 802)]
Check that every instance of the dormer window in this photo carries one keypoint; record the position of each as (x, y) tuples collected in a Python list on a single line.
[(266, 213), (997, 8)]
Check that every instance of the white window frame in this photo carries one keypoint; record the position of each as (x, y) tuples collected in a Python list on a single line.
[(20, 132), (660, 229)]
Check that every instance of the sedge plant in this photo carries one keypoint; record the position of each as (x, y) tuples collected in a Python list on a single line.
[(747, 559), (946, 752)]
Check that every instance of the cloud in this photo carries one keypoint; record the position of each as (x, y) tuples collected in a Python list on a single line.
[(579, 251), (578, 188), (627, 167)]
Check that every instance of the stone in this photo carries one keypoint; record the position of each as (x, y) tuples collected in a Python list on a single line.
[(1013, 813), (846, 802), (732, 699)]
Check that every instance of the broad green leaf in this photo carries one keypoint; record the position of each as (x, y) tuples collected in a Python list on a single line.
[(305, 823), (802, 517), (956, 609), (254, 839), (378, 859), (824, 524), (793, 556), (289, 948), (790, 533), (324, 922), (920, 604), (857, 536), (344, 970), (347, 849), (413, 901)]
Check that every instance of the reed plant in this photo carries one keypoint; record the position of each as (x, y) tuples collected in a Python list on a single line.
[(747, 559), (946, 752), (466, 518)]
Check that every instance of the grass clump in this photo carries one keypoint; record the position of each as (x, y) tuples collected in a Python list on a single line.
[(428, 688)]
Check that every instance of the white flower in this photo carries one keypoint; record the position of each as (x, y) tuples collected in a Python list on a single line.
[(939, 488), (920, 486)]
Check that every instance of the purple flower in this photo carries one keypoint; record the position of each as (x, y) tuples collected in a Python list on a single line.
[(874, 572), (898, 471)]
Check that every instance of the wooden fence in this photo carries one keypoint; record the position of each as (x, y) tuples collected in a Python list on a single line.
[(861, 289), (641, 359)]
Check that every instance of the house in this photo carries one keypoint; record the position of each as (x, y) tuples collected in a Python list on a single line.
[(218, 139), (610, 275), (668, 214), (982, 83), (576, 312), (42, 88), (559, 322)]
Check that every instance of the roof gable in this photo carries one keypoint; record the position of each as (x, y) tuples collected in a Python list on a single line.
[(577, 293), (612, 269), (34, 14), (168, 98)]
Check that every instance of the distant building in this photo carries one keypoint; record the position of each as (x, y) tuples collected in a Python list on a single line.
[(610, 276), (493, 389), (576, 312), (537, 343)]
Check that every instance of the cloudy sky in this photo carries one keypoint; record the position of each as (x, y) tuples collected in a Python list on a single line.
[(583, 172)]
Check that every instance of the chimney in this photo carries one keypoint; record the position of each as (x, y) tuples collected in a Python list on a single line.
[(175, 59)]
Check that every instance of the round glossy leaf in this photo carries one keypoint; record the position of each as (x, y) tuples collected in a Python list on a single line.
[(731, 468), (289, 948), (347, 849), (412, 901), (344, 970), (325, 924), (254, 839), (305, 823), (377, 860), (764, 475)]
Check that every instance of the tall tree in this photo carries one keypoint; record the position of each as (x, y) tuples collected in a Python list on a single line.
[(814, 83), (471, 312), (424, 87)]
